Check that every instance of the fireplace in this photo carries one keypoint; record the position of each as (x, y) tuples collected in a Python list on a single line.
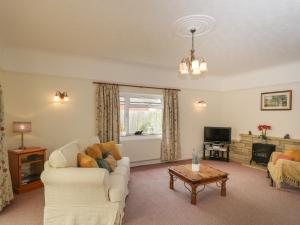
[(261, 152)]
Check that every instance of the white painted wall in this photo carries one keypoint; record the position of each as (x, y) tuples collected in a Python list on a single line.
[(192, 120), (241, 111), (29, 97)]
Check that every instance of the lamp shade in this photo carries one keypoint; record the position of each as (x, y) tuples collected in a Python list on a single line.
[(22, 127)]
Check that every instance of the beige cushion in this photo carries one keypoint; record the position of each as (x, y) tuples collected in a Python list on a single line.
[(65, 156), (116, 188), (85, 143)]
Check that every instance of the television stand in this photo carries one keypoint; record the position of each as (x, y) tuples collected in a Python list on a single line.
[(217, 151)]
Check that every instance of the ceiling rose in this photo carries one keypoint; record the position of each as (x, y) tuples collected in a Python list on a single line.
[(203, 24)]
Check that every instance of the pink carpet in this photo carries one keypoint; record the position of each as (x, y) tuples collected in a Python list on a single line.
[(250, 201)]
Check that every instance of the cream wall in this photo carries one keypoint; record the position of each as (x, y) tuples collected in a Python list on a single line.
[(192, 120), (241, 111), (29, 97)]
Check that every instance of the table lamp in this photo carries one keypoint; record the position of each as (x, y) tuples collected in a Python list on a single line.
[(22, 127)]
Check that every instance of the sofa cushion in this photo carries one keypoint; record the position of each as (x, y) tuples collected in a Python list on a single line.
[(116, 188), (293, 153), (102, 163), (111, 147), (282, 156), (85, 143), (65, 156), (111, 161), (86, 161), (94, 151)]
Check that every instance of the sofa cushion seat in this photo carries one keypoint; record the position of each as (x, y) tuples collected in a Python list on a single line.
[(117, 188)]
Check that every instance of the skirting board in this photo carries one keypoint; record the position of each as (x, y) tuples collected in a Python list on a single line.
[(153, 161)]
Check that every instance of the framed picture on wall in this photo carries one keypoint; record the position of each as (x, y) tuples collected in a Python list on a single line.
[(277, 100)]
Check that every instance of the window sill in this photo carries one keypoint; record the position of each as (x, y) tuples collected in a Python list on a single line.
[(141, 137)]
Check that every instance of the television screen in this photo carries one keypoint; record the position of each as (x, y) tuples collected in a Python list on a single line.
[(217, 134)]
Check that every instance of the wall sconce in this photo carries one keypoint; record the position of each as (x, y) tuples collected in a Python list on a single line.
[(61, 97), (201, 104)]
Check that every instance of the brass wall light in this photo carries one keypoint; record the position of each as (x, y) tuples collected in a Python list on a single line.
[(61, 97), (201, 104)]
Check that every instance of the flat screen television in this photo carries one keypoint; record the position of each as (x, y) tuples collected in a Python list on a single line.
[(217, 134)]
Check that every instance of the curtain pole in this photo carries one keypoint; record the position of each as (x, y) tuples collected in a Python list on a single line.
[(137, 86)]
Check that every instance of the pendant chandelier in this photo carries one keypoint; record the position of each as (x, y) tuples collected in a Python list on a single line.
[(191, 65)]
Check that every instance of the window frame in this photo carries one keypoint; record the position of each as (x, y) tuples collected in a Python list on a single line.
[(127, 105)]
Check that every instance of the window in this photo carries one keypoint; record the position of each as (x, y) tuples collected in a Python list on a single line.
[(140, 112)]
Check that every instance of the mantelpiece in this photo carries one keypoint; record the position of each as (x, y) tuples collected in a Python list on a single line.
[(241, 150)]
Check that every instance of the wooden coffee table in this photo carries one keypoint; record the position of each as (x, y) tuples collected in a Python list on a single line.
[(206, 175)]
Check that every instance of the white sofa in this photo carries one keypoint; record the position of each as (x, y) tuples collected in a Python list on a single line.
[(83, 196)]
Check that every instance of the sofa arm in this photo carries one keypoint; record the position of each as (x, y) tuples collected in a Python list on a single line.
[(274, 156), (75, 186), (74, 175)]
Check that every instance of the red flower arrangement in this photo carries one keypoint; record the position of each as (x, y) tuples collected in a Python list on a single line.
[(263, 128)]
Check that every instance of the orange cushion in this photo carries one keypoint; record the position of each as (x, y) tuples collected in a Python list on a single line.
[(111, 147), (282, 156), (86, 161), (294, 153), (94, 151)]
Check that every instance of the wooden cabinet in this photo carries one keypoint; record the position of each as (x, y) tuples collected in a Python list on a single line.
[(26, 167)]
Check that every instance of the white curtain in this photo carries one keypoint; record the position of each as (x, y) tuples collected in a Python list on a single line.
[(170, 147), (108, 112), (6, 193)]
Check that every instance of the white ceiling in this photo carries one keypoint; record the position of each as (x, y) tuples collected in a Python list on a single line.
[(249, 35)]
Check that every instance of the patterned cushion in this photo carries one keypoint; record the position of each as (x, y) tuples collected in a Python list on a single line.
[(111, 161), (102, 163)]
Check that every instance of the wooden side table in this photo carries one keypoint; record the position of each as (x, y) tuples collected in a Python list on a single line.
[(26, 167)]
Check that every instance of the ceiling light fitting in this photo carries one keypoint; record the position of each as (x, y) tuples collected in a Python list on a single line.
[(191, 65)]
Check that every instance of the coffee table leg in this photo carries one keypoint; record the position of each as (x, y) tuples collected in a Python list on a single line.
[(194, 195), (171, 184), (223, 187)]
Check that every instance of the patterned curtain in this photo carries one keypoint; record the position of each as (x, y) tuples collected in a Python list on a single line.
[(170, 147), (6, 193), (108, 112)]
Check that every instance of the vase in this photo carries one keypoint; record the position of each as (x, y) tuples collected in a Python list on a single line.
[(263, 141), (195, 167)]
